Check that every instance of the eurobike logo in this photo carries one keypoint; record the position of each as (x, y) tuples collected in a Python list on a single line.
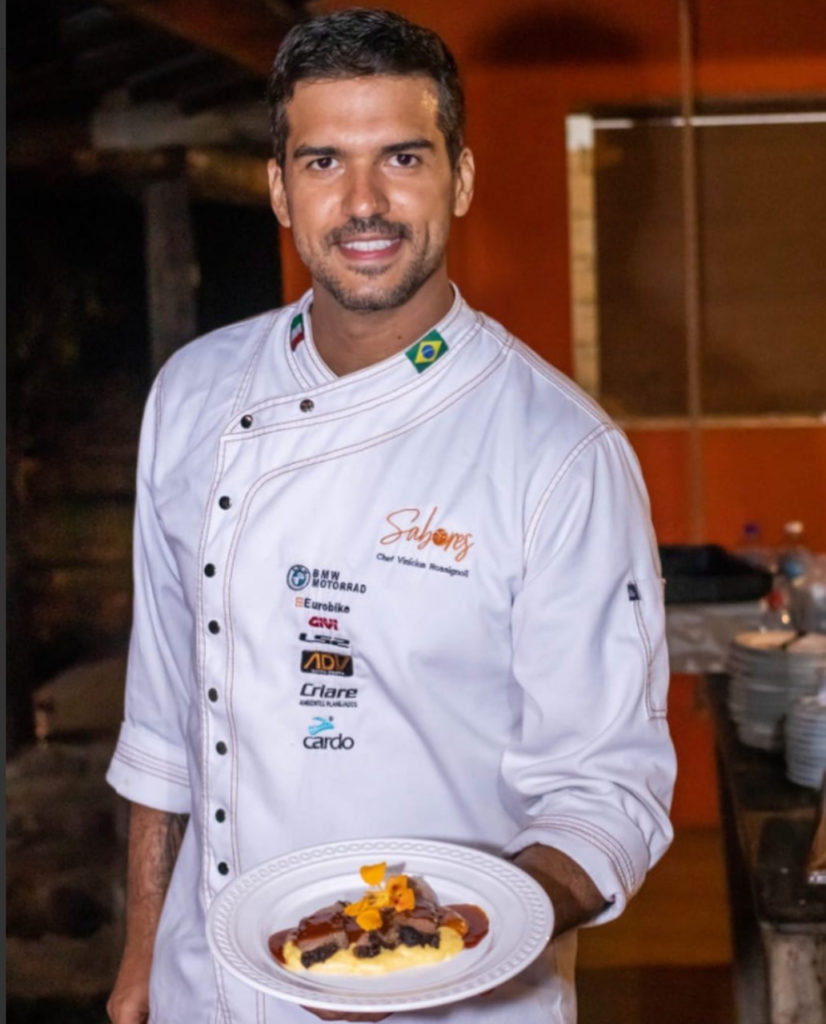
[(326, 664), (314, 740)]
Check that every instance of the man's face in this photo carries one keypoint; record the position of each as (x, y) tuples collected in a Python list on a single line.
[(367, 187)]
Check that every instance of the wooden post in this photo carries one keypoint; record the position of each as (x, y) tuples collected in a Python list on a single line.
[(172, 268)]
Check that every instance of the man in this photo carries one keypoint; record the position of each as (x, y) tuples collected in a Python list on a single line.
[(394, 574)]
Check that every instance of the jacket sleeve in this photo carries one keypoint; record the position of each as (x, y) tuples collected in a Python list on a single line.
[(591, 768), (149, 763)]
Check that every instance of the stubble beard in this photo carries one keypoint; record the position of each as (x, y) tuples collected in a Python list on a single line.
[(380, 298)]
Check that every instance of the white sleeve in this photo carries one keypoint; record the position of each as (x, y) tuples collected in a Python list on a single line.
[(149, 763), (592, 768)]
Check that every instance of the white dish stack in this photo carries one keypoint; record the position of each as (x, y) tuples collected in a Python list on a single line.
[(770, 671), (806, 740)]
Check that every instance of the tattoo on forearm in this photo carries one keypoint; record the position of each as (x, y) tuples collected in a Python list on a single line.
[(158, 840), (174, 838)]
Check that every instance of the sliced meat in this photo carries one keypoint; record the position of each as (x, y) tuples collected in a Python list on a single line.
[(322, 934)]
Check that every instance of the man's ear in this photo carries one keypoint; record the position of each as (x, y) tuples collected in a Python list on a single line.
[(278, 193), (463, 178)]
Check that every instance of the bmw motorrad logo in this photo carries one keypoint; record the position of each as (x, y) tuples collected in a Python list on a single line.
[(298, 577)]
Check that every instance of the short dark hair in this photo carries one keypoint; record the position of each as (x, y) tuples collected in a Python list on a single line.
[(357, 42)]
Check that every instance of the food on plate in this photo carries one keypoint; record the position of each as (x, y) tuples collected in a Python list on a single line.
[(394, 925)]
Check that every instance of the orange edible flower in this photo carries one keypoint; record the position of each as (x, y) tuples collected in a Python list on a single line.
[(373, 874), (406, 900), (369, 920)]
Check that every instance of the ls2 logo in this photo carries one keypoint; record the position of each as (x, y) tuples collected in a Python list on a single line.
[(323, 638), (326, 664)]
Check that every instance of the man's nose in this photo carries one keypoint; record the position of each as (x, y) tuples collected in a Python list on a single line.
[(365, 194)]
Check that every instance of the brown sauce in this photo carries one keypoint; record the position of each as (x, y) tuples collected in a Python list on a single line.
[(278, 941), (476, 920)]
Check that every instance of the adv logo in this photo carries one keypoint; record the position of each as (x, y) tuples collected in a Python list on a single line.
[(326, 663), (315, 741)]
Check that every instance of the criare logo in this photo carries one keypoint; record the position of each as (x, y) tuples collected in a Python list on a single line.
[(411, 526), (317, 622), (298, 577), (326, 663)]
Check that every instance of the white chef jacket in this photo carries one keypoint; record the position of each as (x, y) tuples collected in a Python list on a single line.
[(422, 599)]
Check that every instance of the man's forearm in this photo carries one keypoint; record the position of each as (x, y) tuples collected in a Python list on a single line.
[(154, 841), (574, 896)]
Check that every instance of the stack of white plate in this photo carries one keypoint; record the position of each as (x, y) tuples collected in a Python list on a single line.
[(769, 670), (806, 740)]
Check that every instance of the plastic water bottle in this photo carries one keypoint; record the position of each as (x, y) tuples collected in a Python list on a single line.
[(794, 558), (752, 549)]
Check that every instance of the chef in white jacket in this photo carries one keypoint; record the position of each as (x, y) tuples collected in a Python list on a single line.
[(394, 574)]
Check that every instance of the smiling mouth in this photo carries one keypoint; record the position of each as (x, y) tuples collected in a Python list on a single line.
[(370, 244)]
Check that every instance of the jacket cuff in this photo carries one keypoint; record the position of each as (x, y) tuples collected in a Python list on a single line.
[(616, 868), (147, 770)]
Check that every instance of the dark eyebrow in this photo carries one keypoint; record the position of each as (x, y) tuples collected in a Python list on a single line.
[(406, 146), (301, 152), (315, 151)]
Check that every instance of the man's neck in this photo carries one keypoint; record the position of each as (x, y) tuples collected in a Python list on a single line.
[(348, 341)]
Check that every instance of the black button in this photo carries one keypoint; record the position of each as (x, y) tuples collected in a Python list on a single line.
[(224, 501), (223, 869), (220, 814), (221, 747), (307, 405), (212, 693), (209, 569), (246, 422), (213, 626)]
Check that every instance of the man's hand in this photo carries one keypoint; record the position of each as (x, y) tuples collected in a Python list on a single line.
[(154, 840), (129, 1001), (573, 895), (338, 1015)]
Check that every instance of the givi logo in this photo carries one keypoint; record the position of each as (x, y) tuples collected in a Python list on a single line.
[(317, 622), (326, 664)]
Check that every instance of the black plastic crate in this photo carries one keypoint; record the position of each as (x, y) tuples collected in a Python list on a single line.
[(708, 574)]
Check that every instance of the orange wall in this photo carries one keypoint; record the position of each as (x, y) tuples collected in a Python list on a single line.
[(526, 65)]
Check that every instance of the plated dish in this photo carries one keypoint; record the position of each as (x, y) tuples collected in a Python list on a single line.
[(279, 893)]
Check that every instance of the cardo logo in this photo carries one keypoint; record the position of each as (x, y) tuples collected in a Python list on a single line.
[(315, 740)]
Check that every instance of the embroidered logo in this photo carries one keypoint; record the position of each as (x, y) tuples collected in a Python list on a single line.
[(418, 527), (425, 352), (326, 664), (296, 331), (320, 724), (298, 577)]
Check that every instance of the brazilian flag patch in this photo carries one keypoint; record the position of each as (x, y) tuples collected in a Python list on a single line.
[(425, 352)]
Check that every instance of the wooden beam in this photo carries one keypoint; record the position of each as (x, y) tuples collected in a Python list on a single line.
[(246, 31), (172, 267)]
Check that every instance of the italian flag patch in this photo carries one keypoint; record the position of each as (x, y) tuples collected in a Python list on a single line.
[(296, 331), (425, 352)]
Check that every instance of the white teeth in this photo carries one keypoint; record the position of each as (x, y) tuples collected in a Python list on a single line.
[(374, 245)]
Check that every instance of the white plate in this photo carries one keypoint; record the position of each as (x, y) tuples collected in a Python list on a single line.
[(278, 893)]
